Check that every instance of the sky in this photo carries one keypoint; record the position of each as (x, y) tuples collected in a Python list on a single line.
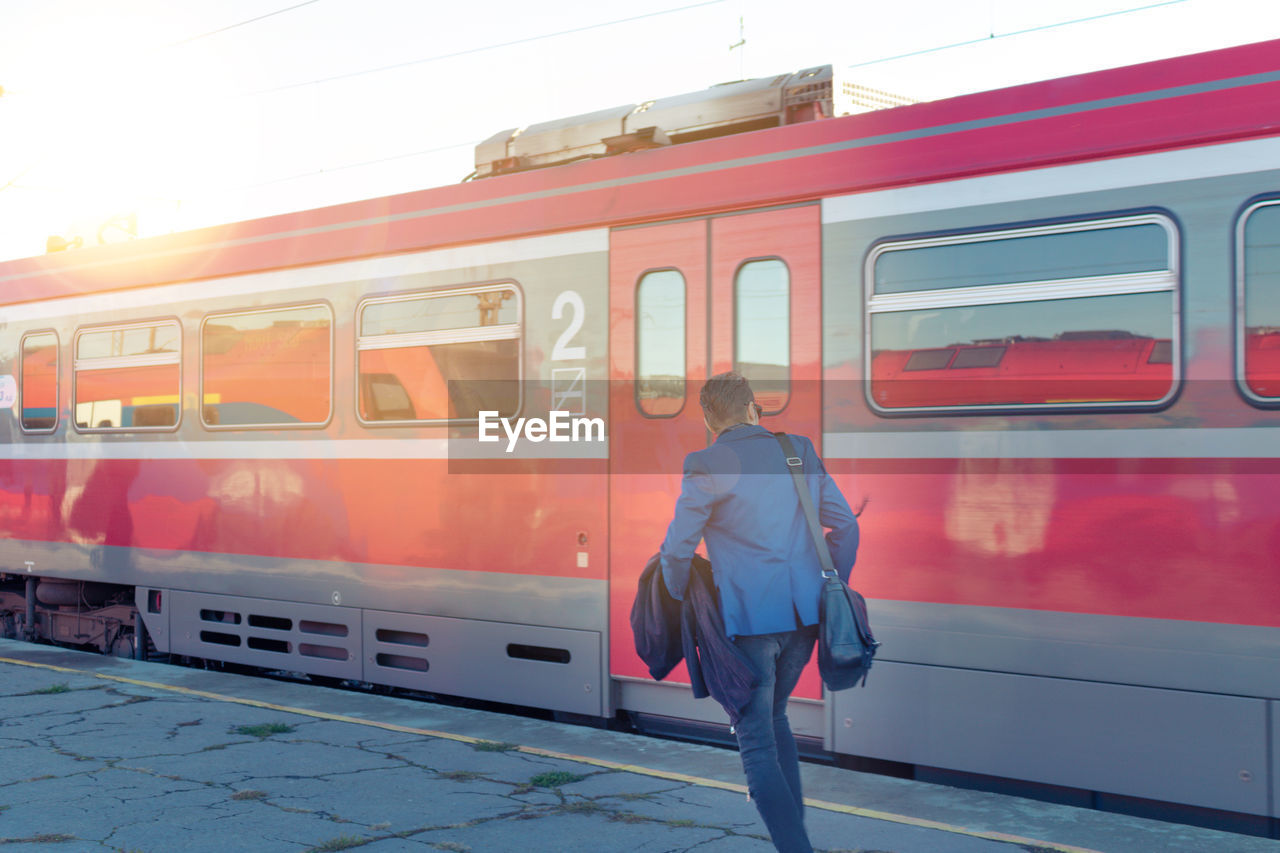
[(188, 113)]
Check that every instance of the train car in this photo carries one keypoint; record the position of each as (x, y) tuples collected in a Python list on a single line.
[(1035, 327)]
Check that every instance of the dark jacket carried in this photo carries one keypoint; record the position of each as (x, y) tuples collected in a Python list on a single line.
[(667, 631)]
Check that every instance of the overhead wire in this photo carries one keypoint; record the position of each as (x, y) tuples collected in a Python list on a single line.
[(181, 42), (481, 49), (557, 34), (993, 36), (648, 15), (374, 162), (15, 182), (439, 58), (409, 63)]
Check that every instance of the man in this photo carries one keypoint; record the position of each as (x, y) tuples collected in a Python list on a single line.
[(738, 495)]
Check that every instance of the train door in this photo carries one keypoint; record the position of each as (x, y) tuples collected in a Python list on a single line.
[(688, 300)]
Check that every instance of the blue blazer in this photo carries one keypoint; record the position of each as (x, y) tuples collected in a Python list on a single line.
[(739, 497)]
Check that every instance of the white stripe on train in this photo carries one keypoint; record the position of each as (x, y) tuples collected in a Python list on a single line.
[(1171, 443)]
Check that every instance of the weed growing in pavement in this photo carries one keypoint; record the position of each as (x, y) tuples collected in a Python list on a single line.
[(494, 746), (460, 775), (452, 846), (342, 842), (581, 807), (264, 730), (249, 795), (555, 778), (60, 687)]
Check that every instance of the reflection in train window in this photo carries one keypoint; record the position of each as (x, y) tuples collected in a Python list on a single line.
[(39, 407), (929, 359), (1025, 256), (439, 356), (762, 331), (1075, 314), (266, 368), (1258, 338), (128, 377), (660, 342), (979, 356)]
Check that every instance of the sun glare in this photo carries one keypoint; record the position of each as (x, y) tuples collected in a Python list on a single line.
[(122, 135)]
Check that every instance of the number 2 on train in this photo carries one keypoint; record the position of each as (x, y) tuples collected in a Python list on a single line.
[(562, 351)]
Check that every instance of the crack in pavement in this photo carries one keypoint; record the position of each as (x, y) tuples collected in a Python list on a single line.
[(187, 773)]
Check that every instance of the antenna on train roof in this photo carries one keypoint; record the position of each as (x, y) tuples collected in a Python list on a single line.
[(741, 46)]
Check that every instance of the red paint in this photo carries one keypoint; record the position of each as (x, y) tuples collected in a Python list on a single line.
[(1026, 372), (1164, 539), (400, 513), (642, 504), (1262, 362)]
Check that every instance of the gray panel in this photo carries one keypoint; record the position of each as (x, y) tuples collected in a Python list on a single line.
[(676, 700), (1205, 656), (579, 603), (272, 634), (1167, 745), (1272, 733), (466, 657), (157, 624)]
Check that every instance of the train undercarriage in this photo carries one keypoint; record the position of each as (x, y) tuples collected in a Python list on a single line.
[(81, 614)]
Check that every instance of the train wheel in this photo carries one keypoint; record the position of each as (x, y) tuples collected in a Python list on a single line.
[(122, 645)]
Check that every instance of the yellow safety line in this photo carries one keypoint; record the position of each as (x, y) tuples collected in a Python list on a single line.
[(581, 759)]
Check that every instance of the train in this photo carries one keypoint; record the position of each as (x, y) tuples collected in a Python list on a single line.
[(1036, 330)]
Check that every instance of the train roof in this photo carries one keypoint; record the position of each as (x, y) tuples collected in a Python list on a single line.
[(1205, 98)]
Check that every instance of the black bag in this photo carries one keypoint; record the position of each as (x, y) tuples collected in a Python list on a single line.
[(846, 646)]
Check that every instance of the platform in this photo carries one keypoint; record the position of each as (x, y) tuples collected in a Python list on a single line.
[(109, 754)]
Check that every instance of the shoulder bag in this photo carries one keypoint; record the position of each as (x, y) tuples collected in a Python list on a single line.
[(845, 643)]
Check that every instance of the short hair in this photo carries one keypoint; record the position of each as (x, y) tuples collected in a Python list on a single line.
[(724, 399)]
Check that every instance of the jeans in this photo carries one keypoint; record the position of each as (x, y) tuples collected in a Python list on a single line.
[(764, 735)]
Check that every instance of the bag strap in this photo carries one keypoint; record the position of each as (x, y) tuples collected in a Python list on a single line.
[(796, 466)]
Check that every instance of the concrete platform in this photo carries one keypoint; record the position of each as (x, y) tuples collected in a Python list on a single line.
[(107, 754)]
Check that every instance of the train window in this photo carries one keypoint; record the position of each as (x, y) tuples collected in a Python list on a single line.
[(266, 368), (1076, 314), (979, 356), (128, 377), (1258, 300), (929, 359), (39, 406), (439, 356), (762, 331), (1018, 257), (660, 342)]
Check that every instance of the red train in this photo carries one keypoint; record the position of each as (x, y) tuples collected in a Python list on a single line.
[(1036, 327)]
